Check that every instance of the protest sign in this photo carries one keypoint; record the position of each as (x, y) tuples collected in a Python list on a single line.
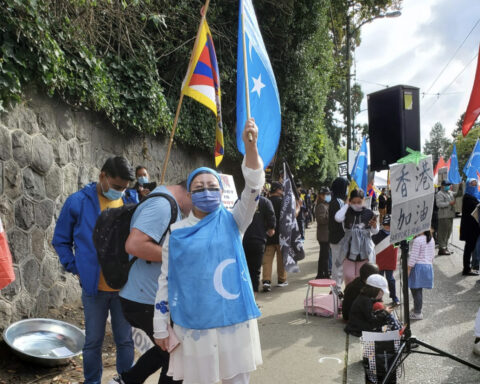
[(412, 198), (229, 196), (342, 169)]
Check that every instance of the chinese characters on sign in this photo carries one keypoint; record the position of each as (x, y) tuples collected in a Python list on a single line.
[(342, 169), (229, 196), (413, 194)]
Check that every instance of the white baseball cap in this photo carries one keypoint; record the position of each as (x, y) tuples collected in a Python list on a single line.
[(378, 281)]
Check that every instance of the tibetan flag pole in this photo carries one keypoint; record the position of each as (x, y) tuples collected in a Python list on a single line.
[(180, 101), (245, 67)]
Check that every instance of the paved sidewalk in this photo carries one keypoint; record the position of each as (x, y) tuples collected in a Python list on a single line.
[(296, 352)]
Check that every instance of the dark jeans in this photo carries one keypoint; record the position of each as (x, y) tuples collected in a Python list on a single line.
[(322, 272), (417, 294), (141, 316), (391, 284), (96, 310), (467, 254), (254, 255)]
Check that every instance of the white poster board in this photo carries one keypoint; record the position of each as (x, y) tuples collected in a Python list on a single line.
[(342, 169), (413, 194), (229, 196)]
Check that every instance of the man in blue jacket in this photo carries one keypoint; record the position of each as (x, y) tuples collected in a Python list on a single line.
[(73, 242)]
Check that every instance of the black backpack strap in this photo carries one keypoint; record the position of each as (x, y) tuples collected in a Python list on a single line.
[(173, 210)]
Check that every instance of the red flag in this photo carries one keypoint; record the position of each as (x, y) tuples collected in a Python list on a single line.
[(473, 109), (448, 163), (6, 268), (440, 164)]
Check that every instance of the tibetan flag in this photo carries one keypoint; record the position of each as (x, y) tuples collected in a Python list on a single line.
[(202, 82), (473, 109), (7, 274), (262, 86), (453, 174)]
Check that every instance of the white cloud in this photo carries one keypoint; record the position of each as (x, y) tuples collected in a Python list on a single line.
[(413, 49)]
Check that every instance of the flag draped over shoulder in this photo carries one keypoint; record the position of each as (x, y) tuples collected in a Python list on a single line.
[(453, 174), (202, 82), (263, 92), (360, 167), (473, 163), (473, 109), (7, 274), (290, 239)]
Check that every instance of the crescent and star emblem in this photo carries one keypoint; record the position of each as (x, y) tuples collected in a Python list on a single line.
[(217, 280)]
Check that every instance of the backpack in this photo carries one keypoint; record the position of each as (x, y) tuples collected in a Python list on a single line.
[(110, 235)]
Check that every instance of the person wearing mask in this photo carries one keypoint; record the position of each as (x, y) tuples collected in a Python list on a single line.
[(335, 229), (363, 317), (386, 257), (148, 228), (469, 228), (204, 287), (445, 200), (143, 186), (73, 243), (321, 216), (262, 226), (360, 224), (353, 289), (272, 248)]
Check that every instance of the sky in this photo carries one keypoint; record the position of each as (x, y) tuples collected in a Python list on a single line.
[(414, 48)]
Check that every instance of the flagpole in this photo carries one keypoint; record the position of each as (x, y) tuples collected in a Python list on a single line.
[(245, 74), (180, 101)]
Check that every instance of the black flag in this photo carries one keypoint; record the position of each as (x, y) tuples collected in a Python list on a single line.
[(291, 243)]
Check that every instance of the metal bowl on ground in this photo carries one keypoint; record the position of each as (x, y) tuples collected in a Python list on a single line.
[(45, 341)]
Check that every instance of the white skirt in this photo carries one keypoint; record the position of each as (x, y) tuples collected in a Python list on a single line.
[(211, 355)]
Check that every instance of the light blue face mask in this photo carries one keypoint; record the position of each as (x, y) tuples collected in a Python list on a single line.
[(112, 194), (447, 187), (207, 200), (142, 180), (328, 198)]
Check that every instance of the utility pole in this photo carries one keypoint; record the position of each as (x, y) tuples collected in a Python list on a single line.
[(349, 105)]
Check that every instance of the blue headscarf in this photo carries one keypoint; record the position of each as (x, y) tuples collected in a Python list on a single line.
[(203, 170), (470, 189)]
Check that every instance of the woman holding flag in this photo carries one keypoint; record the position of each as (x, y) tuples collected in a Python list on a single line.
[(205, 286)]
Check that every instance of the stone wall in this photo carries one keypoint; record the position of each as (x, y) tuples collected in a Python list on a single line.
[(47, 152)]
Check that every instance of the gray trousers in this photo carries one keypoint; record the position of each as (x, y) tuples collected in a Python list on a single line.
[(417, 294), (444, 232)]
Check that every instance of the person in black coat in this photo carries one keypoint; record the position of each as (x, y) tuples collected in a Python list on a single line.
[(263, 225), (335, 229), (469, 228)]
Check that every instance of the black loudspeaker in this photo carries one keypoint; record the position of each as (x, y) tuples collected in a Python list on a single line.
[(393, 124)]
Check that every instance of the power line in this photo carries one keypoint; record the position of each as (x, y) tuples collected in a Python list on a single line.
[(449, 61), (456, 77), (372, 82)]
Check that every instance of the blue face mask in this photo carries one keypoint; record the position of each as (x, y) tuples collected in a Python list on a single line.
[(207, 200), (447, 187), (112, 194), (328, 198), (387, 232), (142, 180)]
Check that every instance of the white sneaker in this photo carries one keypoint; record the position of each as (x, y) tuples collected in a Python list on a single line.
[(116, 380), (416, 316), (476, 348), (284, 284)]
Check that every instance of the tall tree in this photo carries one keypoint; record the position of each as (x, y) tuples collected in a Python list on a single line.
[(438, 145)]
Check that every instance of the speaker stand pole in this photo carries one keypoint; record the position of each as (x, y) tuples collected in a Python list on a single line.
[(410, 343)]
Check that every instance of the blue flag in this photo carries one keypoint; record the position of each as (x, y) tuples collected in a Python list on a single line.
[(453, 174), (263, 92), (473, 163), (360, 168)]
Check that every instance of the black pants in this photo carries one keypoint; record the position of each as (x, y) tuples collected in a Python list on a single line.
[(323, 261), (254, 255), (467, 254), (141, 316)]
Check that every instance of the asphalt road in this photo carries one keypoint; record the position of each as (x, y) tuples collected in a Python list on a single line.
[(297, 352)]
